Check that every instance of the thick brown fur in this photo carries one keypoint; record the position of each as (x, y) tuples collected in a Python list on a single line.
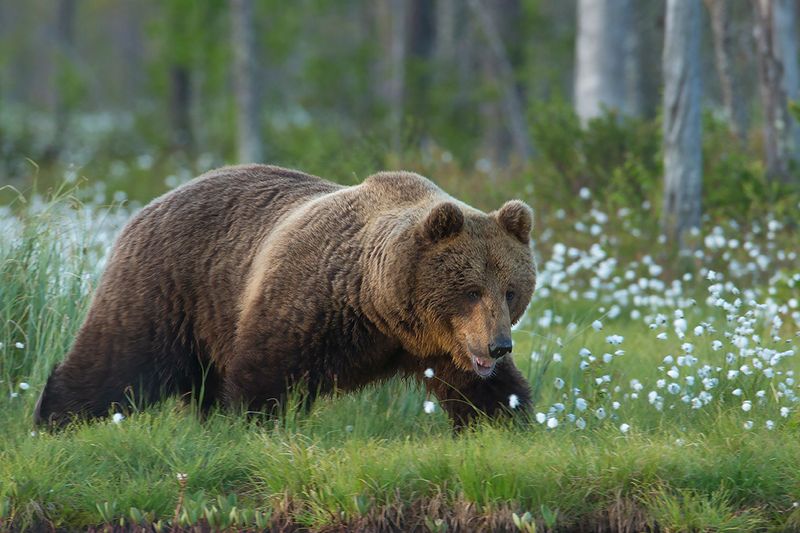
[(251, 279)]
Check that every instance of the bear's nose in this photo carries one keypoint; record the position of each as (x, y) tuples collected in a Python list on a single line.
[(500, 346)]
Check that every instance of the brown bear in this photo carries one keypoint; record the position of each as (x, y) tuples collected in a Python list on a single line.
[(251, 279)]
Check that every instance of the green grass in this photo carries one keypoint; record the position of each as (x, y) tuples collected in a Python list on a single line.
[(375, 459)]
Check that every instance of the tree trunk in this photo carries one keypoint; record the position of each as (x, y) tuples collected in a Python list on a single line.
[(391, 18), (732, 100), (603, 36), (682, 126), (785, 17), (634, 99), (248, 132), (777, 136), (512, 105), (65, 41), (445, 34)]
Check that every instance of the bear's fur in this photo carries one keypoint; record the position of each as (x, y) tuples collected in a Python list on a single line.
[(254, 278)]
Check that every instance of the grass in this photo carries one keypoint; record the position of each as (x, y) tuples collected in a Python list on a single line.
[(374, 460)]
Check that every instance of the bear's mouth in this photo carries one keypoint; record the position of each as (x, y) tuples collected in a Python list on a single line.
[(483, 366)]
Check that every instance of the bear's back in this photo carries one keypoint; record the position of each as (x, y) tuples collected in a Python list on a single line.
[(189, 252)]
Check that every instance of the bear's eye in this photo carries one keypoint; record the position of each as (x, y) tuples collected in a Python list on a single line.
[(473, 295), (509, 295)]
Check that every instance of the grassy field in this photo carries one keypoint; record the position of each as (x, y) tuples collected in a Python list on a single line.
[(664, 399)]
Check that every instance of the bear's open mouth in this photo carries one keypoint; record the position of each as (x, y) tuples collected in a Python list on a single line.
[(483, 366)]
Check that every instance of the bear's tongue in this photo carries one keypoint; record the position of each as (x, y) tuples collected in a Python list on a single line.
[(484, 363)]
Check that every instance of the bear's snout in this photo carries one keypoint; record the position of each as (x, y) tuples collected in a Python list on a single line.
[(500, 346)]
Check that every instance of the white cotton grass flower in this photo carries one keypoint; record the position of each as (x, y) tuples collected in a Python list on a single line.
[(559, 383), (19, 345), (581, 404), (117, 418), (615, 339), (552, 423), (748, 425), (597, 325), (556, 357), (770, 425), (513, 401), (747, 405), (23, 386), (698, 331), (541, 418), (785, 412), (429, 373), (429, 406), (624, 428), (600, 413), (662, 336)]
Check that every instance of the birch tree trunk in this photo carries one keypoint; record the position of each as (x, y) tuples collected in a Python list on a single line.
[(512, 104), (682, 125), (732, 99), (249, 142), (785, 17), (601, 43), (777, 125)]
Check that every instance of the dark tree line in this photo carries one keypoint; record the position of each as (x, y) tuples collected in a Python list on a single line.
[(228, 75)]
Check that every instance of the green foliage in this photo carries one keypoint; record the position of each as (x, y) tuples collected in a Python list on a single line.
[(735, 184), (616, 158)]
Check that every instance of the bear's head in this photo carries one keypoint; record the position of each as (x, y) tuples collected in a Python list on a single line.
[(474, 275)]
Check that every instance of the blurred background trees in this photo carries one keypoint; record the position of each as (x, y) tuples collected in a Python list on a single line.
[(491, 98)]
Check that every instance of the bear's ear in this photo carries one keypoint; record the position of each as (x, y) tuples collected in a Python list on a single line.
[(517, 219), (444, 220)]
